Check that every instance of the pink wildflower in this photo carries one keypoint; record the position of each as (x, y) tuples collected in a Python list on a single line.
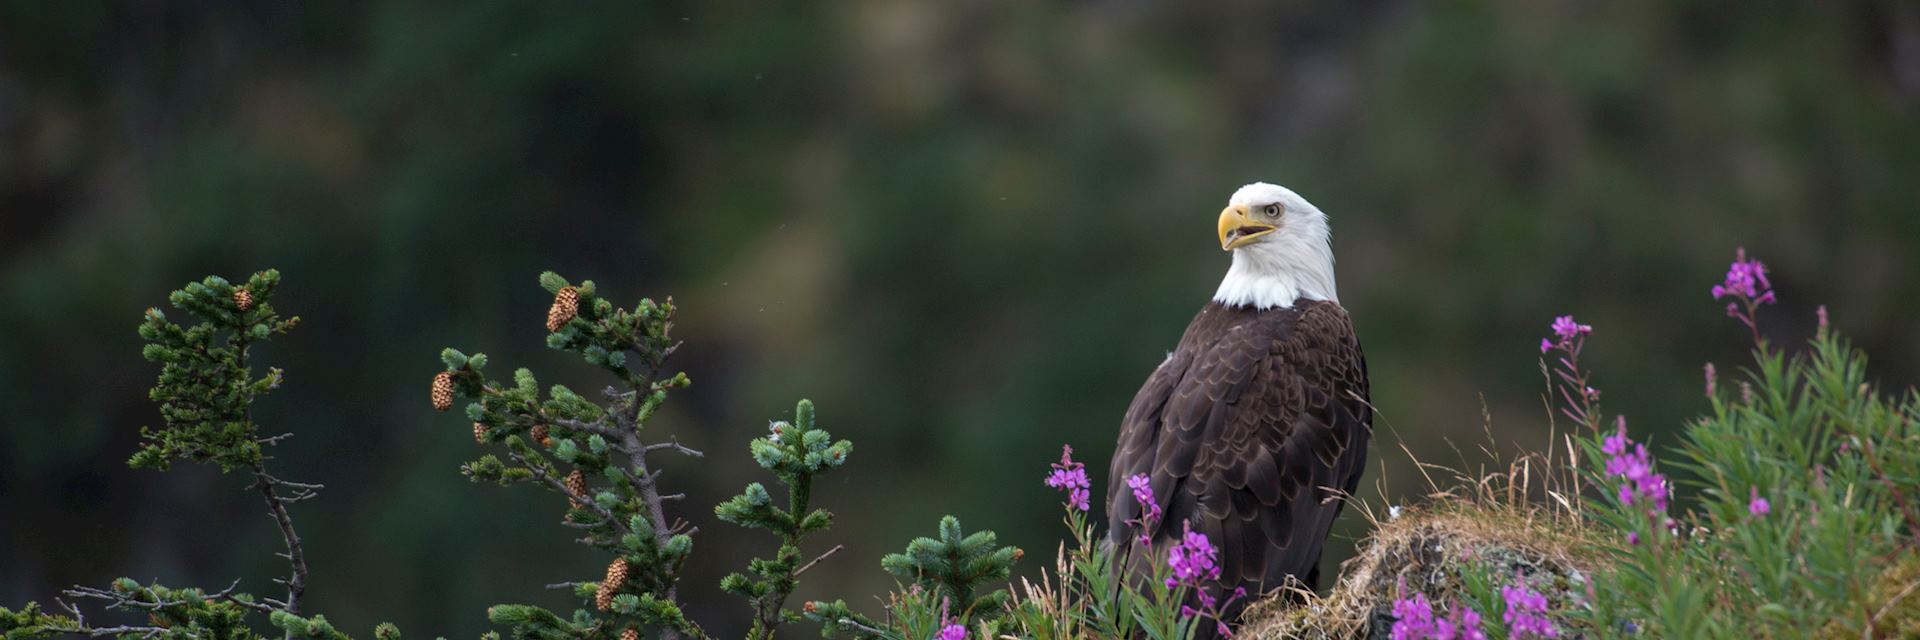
[(1526, 612), (1149, 507), (1071, 477), (1193, 560), (1413, 618), (1746, 282)]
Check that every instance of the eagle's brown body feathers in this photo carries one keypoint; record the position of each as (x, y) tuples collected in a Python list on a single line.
[(1253, 430)]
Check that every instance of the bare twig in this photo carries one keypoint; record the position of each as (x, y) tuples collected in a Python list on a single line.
[(644, 481), (809, 565), (673, 443), (1888, 607), (625, 410), (850, 622), (277, 507)]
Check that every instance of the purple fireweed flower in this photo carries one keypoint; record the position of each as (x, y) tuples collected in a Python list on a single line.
[(1526, 612), (1413, 618), (1143, 494), (1616, 444), (1822, 314), (1570, 381), (1566, 334), (1210, 605), (953, 632), (1149, 508), (1462, 624), (1193, 561), (1639, 486), (1207, 601), (1712, 379), (1757, 505), (1747, 284), (1071, 477), (1567, 329), (1745, 279)]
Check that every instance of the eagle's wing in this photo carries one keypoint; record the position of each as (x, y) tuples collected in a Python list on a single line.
[(1253, 433)]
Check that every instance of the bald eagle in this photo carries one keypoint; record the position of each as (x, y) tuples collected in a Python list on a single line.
[(1254, 429)]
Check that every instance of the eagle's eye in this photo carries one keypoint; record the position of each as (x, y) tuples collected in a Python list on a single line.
[(1273, 210)]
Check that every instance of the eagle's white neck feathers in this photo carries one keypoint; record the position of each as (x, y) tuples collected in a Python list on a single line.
[(1293, 262)]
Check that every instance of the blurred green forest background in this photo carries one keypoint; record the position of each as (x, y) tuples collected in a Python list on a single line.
[(967, 230)]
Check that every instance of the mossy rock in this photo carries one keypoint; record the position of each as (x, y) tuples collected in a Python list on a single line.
[(1893, 603), (1429, 552)]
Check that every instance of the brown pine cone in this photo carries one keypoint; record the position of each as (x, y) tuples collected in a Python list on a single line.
[(616, 578), (577, 484), (539, 435), (442, 391), (243, 298), (630, 634), (566, 305), (479, 433)]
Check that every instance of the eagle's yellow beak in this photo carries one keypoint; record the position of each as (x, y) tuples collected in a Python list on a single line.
[(1237, 228)]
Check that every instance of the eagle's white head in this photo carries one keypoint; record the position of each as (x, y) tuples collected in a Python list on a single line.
[(1281, 249)]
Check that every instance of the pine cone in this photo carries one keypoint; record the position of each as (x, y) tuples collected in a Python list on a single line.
[(616, 578), (479, 433), (243, 298), (577, 484), (566, 305), (442, 391), (539, 435), (630, 634)]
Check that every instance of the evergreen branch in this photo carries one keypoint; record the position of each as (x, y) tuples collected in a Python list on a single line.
[(597, 428), (543, 474), (118, 600)]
